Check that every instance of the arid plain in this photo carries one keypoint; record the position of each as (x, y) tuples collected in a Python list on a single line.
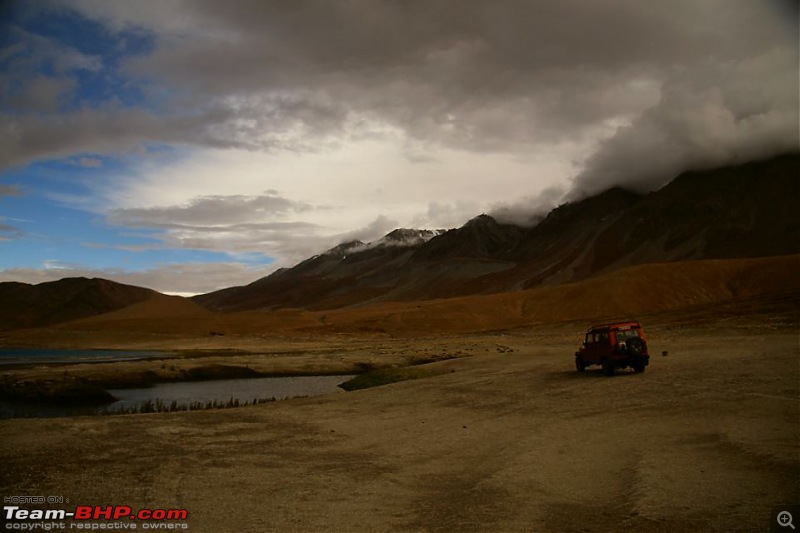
[(506, 437)]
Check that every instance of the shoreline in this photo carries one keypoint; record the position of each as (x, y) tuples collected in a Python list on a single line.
[(189, 358), (88, 382)]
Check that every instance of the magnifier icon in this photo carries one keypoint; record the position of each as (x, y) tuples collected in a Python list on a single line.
[(785, 519)]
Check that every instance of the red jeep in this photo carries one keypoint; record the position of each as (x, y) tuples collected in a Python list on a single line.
[(613, 346)]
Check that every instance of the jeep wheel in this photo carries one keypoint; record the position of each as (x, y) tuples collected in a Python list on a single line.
[(580, 365), (638, 367), (608, 367), (635, 346)]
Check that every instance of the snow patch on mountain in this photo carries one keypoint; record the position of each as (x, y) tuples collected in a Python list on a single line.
[(341, 250), (406, 237), (399, 238)]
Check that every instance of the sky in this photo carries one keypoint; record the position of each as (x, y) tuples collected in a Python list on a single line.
[(193, 145)]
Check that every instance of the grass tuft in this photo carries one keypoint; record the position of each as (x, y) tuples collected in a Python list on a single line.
[(159, 406)]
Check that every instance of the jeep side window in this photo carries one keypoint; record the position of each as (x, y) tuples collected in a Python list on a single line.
[(589, 338), (603, 337)]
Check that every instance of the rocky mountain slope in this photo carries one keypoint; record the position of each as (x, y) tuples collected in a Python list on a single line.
[(737, 212)]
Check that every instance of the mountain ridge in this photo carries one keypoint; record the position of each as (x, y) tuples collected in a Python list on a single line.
[(741, 211)]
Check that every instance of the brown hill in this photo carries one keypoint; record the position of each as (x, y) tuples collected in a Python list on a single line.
[(629, 292), (160, 313), (157, 307), (736, 212), (68, 299)]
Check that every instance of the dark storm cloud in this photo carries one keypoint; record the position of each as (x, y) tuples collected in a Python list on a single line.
[(475, 75), (37, 74), (663, 85), (115, 129)]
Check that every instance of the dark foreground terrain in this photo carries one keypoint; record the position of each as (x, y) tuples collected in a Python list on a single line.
[(510, 439)]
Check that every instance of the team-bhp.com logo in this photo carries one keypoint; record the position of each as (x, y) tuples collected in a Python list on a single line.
[(94, 518)]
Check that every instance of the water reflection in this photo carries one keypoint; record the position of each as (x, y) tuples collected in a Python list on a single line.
[(20, 356), (184, 394)]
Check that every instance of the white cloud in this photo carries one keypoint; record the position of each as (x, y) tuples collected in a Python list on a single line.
[(90, 162), (315, 201), (713, 114), (530, 210)]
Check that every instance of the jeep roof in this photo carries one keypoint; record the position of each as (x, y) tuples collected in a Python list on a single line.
[(632, 324)]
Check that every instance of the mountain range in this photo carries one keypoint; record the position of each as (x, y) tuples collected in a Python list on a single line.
[(705, 237), (745, 211)]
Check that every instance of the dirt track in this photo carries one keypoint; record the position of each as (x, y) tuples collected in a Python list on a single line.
[(705, 440)]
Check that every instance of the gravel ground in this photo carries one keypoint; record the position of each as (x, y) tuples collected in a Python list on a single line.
[(506, 440)]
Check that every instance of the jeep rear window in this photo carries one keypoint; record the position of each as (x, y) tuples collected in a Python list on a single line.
[(627, 334)]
